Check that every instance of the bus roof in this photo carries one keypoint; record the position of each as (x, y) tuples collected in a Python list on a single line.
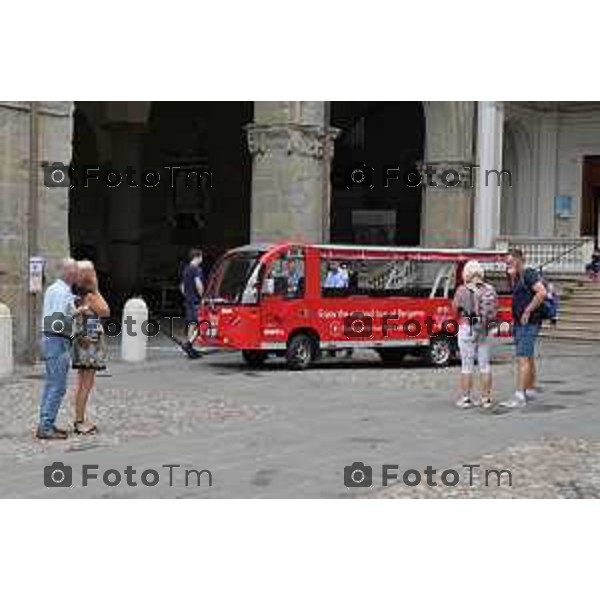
[(355, 251), (408, 249)]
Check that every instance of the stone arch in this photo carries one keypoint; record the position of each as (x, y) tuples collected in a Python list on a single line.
[(517, 206)]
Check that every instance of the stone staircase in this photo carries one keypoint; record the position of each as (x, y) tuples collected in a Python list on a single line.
[(579, 312)]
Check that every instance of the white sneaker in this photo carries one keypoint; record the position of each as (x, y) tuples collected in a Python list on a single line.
[(465, 402), (532, 393), (486, 402), (519, 400)]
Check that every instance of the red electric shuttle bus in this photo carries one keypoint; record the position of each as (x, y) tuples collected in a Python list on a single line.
[(296, 300)]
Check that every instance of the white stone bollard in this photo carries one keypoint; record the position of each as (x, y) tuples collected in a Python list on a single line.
[(133, 339), (6, 341)]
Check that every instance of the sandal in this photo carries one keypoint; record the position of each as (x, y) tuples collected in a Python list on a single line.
[(84, 428)]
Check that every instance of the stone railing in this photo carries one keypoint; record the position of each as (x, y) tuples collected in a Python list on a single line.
[(553, 254)]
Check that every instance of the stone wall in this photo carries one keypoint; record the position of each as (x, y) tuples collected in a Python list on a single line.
[(55, 131)]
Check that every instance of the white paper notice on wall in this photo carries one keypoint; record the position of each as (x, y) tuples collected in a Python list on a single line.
[(36, 274)]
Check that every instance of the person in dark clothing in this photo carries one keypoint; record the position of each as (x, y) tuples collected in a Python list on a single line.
[(593, 267), (192, 288), (528, 294)]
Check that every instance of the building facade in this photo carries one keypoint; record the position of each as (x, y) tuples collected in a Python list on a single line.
[(529, 173)]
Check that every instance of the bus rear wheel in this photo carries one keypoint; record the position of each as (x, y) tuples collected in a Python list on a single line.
[(440, 351), (254, 358), (301, 351)]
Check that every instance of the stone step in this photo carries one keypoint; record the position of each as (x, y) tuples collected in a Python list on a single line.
[(577, 302), (582, 281), (579, 315), (567, 279), (593, 319), (570, 326), (579, 309), (584, 296), (580, 289), (577, 312), (574, 310), (574, 337), (588, 285), (567, 311)]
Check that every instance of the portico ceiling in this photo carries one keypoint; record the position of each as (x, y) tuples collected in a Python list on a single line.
[(562, 106)]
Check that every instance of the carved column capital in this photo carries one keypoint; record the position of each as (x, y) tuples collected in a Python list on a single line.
[(311, 141)]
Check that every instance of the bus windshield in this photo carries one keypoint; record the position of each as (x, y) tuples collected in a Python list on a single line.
[(235, 278)]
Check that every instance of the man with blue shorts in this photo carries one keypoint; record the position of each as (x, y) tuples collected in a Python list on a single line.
[(528, 294)]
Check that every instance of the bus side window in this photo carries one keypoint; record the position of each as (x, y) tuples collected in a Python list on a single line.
[(336, 278), (294, 274), (444, 282), (429, 279), (285, 276), (381, 277)]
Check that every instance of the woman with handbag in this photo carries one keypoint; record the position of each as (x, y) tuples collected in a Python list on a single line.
[(89, 346)]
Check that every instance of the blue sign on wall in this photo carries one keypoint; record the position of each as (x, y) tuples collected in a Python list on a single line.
[(563, 207)]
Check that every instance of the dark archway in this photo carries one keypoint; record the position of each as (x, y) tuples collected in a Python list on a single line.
[(380, 135), (214, 214), (86, 211), (138, 236)]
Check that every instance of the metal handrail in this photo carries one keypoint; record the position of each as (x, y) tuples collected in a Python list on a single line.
[(577, 246)]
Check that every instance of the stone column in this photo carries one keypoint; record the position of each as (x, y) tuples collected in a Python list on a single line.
[(54, 143), (446, 209), (547, 168), (490, 126), (125, 206), (292, 146)]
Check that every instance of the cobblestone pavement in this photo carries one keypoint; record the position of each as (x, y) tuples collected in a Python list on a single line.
[(560, 468), (122, 413), (274, 433)]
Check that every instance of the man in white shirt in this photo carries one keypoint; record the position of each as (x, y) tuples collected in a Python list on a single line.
[(59, 308), (336, 277)]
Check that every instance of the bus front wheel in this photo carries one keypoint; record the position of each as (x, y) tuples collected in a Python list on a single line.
[(254, 358), (301, 351)]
